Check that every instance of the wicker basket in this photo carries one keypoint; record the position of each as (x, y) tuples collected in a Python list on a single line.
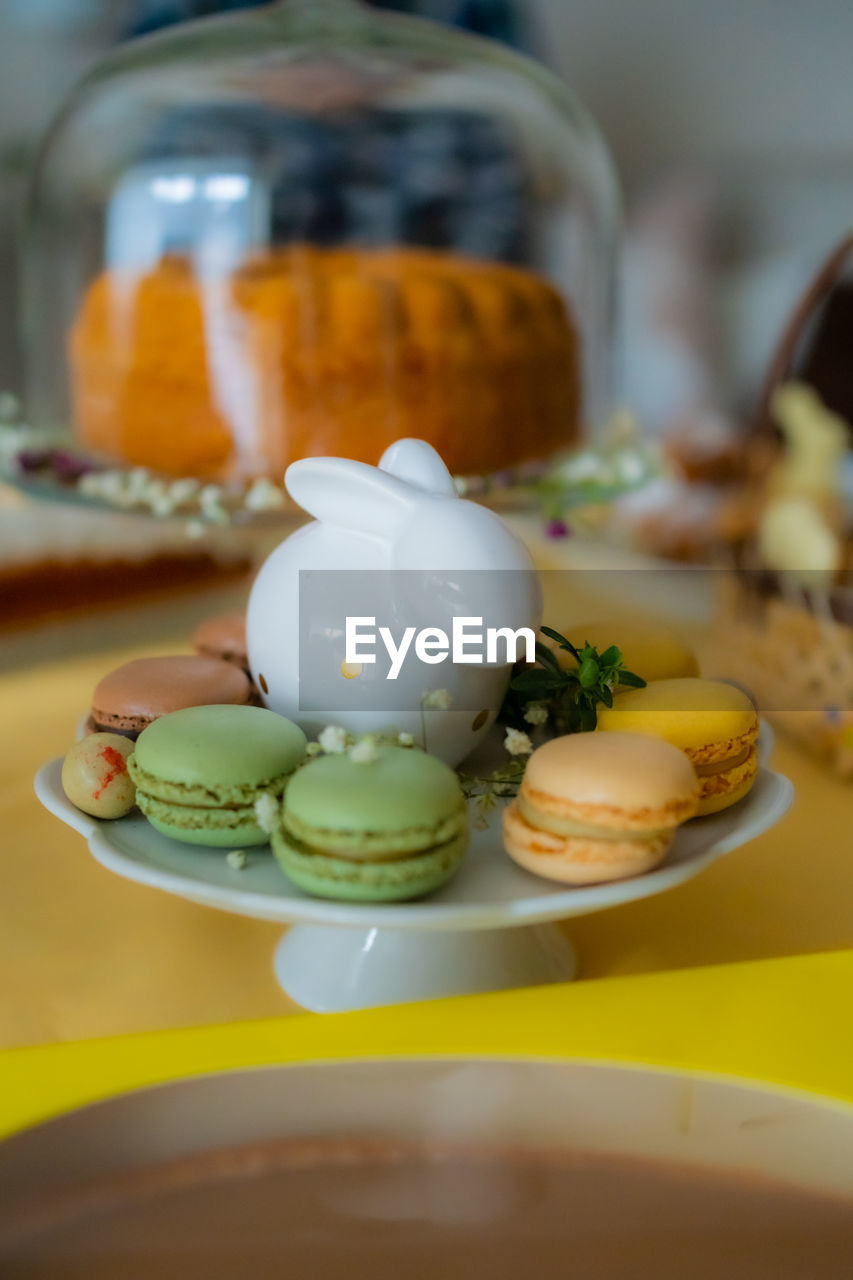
[(796, 661), (792, 648)]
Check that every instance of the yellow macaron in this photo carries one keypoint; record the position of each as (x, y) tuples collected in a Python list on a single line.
[(714, 723), (650, 651), (594, 808)]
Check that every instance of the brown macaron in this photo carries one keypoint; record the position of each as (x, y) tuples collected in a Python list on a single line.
[(223, 636), (131, 696)]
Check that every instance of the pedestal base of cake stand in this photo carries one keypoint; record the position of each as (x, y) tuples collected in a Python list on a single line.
[(330, 970)]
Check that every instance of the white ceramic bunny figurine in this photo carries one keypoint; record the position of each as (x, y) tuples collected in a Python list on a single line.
[(397, 544)]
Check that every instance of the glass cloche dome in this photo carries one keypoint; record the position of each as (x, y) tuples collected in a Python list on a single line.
[(314, 228)]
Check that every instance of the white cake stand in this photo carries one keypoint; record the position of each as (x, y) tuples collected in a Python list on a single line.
[(489, 929)]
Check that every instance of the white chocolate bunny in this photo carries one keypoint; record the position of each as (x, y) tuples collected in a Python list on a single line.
[(395, 543)]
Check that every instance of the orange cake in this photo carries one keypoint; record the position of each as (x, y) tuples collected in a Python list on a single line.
[(314, 351)]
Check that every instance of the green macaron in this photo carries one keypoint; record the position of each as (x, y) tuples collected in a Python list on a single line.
[(198, 772), (382, 830)]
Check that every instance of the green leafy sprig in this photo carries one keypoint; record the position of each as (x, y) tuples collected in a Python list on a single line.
[(573, 694)]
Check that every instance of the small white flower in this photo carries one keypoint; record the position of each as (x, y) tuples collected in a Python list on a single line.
[(263, 496), (183, 490), (364, 752), (90, 484), (154, 491), (210, 495), (631, 468), (237, 859), (120, 493), (438, 698), (107, 485), (163, 504), (210, 503), (405, 740), (585, 465), (313, 749), (517, 743), (267, 812), (333, 739), (536, 714)]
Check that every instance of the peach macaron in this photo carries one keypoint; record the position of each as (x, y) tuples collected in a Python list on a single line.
[(599, 807), (714, 723)]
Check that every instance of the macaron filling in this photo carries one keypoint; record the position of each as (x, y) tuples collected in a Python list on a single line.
[(189, 818), (93, 725), (559, 825), (538, 841), (311, 851), (719, 790), (374, 846), (723, 766), (552, 811), (581, 860), (196, 796)]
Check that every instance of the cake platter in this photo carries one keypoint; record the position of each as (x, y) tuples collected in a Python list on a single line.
[(492, 927)]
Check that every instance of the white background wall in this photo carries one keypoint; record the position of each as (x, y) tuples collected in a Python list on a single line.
[(709, 79)]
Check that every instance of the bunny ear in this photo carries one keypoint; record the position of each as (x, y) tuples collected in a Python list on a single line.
[(350, 494), (419, 465)]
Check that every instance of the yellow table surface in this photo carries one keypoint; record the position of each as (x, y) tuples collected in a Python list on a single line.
[(86, 954), (780, 1021)]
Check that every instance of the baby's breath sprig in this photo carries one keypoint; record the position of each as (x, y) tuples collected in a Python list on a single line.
[(518, 743), (334, 740), (337, 741), (485, 792)]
